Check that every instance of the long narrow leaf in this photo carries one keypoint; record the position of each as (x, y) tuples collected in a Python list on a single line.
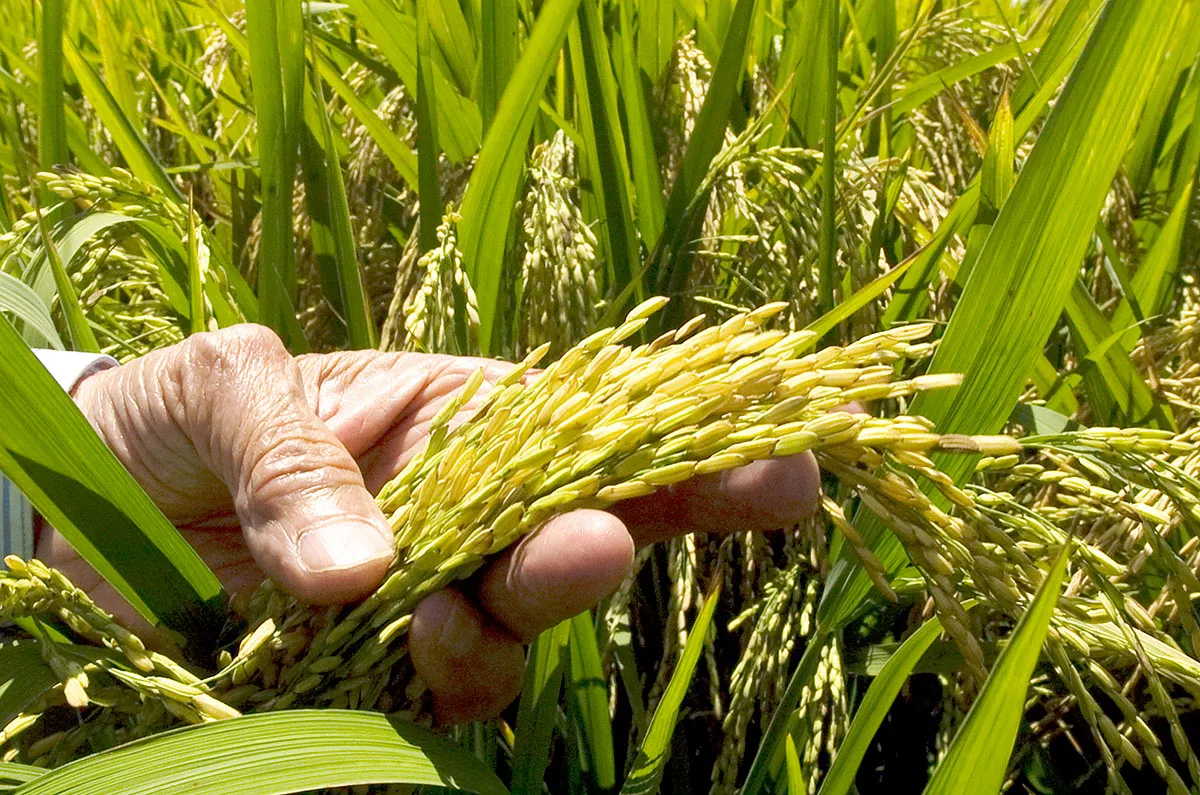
[(277, 146), (332, 227), (52, 124), (114, 43), (1032, 254), (72, 238), (1042, 232), (671, 261), (429, 188), (605, 153), (82, 337), (655, 37), (589, 693), (133, 147), (874, 708), (274, 754), (52, 454), (77, 135), (861, 298), (1029, 98), (830, 39), (394, 148), (19, 774), (499, 47), (1154, 282), (195, 276), (537, 708), (795, 776), (651, 762), (978, 757), (487, 205), (449, 29), (1119, 394), (643, 160), (395, 34), (930, 85), (19, 300)]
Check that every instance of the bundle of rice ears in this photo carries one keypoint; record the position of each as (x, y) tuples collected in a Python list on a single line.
[(606, 422)]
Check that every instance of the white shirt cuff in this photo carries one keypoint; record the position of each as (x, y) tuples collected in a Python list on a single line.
[(71, 367)]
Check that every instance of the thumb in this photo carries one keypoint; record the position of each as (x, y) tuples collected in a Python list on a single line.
[(307, 516)]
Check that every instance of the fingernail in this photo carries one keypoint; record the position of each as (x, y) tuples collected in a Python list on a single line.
[(460, 631), (343, 546)]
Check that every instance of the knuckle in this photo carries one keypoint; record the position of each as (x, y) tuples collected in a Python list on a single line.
[(289, 460), (228, 348)]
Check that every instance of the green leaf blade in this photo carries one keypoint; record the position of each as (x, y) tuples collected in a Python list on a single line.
[(50, 452), (492, 191), (648, 768), (1021, 281), (589, 694), (874, 708), (978, 758), (273, 754)]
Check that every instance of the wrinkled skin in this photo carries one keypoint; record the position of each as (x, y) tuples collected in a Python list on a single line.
[(268, 463)]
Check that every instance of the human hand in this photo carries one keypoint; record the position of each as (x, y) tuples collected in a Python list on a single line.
[(268, 463)]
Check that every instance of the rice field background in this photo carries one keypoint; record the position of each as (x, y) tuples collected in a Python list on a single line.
[(1000, 196)]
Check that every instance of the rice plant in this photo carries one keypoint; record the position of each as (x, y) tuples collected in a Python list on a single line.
[(947, 248)]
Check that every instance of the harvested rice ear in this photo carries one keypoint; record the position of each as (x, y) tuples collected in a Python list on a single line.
[(608, 421)]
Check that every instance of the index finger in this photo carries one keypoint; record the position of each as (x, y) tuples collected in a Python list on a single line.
[(764, 495)]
